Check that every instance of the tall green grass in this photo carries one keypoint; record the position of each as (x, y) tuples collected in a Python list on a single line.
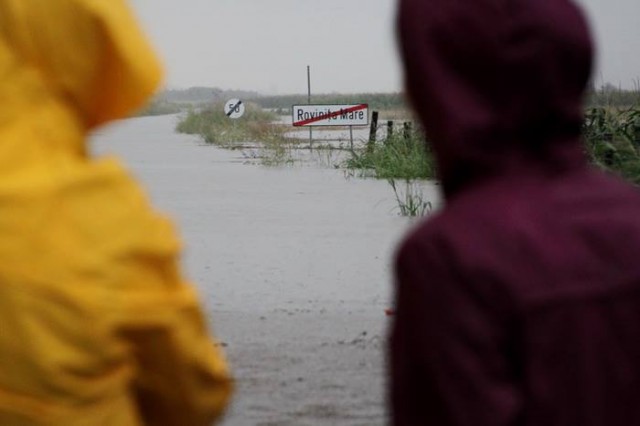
[(399, 156), (612, 140), (256, 126), (214, 127), (410, 199)]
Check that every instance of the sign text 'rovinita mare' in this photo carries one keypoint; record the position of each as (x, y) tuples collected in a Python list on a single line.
[(330, 115)]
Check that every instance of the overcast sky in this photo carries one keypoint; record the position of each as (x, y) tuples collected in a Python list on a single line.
[(266, 45)]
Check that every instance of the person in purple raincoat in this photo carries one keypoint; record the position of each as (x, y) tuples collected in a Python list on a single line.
[(519, 302)]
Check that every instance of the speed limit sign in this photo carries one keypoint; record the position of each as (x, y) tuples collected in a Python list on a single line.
[(234, 108)]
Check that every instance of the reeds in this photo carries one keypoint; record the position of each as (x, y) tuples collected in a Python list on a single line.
[(411, 200)]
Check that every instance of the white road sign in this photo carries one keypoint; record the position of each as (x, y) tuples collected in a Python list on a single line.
[(234, 108), (330, 115)]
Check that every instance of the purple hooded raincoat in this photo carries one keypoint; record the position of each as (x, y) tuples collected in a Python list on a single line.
[(519, 302)]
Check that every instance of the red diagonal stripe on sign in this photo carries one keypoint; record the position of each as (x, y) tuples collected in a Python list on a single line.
[(327, 116)]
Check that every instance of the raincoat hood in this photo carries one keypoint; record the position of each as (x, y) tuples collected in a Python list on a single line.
[(97, 323), (88, 55), (497, 84)]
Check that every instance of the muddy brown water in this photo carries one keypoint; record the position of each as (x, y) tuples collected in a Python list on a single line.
[(293, 267)]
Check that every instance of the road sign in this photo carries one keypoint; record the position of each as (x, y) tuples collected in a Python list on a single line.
[(330, 115), (234, 108)]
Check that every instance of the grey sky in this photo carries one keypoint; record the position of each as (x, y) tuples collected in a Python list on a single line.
[(617, 33), (265, 45)]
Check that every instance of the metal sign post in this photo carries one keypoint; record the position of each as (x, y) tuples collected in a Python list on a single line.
[(351, 137), (309, 102)]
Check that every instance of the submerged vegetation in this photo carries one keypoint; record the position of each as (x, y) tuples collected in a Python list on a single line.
[(257, 132), (400, 156), (611, 133), (411, 201), (214, 127)]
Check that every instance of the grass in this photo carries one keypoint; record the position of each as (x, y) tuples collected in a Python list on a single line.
[(399, 156), (213, 125), (612, 140), (411, 201), (255, 126), (611, 134)]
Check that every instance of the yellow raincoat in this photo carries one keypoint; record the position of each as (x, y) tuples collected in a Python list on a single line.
[(97, 326)]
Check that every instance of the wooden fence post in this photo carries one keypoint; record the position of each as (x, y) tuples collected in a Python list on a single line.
[(407, 129), (372, 132)]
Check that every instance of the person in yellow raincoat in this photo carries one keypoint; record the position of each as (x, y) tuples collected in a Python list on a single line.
[(97, 325)]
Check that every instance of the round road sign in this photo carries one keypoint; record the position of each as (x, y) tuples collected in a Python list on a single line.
[(234, 108)]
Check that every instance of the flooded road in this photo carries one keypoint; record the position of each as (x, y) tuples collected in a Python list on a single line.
[(293, 267)]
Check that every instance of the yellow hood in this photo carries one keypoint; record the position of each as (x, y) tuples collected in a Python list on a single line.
[(97, 324), (89, 54)]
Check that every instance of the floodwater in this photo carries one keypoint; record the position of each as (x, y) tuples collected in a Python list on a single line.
[(293, 268)]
